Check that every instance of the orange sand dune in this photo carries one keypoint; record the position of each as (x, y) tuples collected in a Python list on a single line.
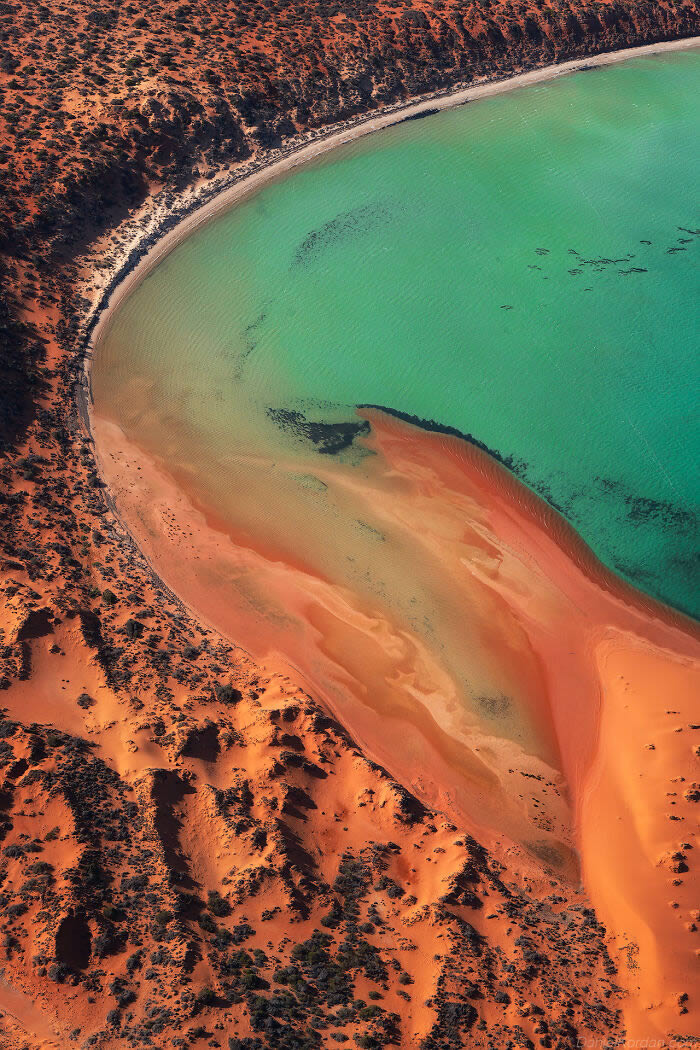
[(602, 762)]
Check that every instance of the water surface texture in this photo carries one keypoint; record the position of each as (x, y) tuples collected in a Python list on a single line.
[(522, 269)]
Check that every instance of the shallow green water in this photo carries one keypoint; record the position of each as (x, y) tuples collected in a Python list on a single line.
[(523, 269)]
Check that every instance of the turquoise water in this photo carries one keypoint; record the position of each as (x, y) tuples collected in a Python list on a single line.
[(522, 269)]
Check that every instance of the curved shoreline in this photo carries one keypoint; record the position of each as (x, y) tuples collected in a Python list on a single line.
[(178, 223), (187, 215), (611, 669)]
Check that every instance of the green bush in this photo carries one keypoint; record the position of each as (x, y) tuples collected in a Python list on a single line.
[(217, 905), (206, 997)]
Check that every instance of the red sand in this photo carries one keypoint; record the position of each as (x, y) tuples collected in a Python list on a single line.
[(584, 644)]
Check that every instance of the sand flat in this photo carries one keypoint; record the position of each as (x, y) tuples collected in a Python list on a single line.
[(579, 630)]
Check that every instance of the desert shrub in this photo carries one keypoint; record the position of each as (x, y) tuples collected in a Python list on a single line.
[(241, 932), (206, 997), (40, 867), (207, 923), (226, 693), (217, 904), (133, 629)]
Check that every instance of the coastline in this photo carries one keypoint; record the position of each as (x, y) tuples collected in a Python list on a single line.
[(195, 207), (611, 648), (456, 746), (188, 214), (179, 226)]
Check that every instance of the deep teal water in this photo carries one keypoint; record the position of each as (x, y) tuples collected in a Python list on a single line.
[(522, 269)]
